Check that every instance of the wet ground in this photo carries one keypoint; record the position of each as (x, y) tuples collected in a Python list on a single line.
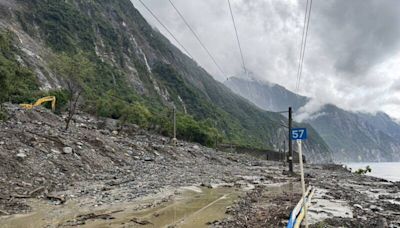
[(188, 207)]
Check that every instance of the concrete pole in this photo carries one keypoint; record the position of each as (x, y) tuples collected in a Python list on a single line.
[(290, 142), (284, 152), (216, 136)]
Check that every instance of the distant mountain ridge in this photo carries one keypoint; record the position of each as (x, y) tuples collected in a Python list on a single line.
[(353, 136), (275, 98)]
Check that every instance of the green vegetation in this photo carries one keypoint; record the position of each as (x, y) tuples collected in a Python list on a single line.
[(362, 171), (16, 81), (63, 26), (74, 29)]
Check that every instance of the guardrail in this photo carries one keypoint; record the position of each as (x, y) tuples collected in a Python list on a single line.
[(298, 213)]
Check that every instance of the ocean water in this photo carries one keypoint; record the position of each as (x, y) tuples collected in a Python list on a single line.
[(386, 170)]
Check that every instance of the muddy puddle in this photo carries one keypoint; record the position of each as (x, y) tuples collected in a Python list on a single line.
[(190, 207)]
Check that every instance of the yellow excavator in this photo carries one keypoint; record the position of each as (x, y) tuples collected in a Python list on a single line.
[(40, 102)]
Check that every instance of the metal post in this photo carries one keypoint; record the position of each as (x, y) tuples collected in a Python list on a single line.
[(290, 142), (303, 184)]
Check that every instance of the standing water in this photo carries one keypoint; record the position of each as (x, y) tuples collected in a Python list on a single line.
[(386, 170)]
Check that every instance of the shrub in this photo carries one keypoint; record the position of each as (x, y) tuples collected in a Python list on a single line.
[(191, 130), (362, 171), (137, 114)]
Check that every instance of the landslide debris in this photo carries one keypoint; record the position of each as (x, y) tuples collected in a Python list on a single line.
[(39, 159)]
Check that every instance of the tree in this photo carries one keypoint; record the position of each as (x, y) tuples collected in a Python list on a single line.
[(75, 71), (74, 92)]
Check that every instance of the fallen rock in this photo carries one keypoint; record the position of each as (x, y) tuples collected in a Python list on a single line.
[(57, 199), (67, 150), (21, 154), (55, 151)]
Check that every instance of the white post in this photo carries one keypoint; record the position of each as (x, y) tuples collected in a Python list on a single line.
[(303, 184), (174, 140)]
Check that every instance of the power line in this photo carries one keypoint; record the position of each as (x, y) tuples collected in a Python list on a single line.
[(307, 17), (305, 41), (197, 37), (165, 27), (301, 44), (237, 37)]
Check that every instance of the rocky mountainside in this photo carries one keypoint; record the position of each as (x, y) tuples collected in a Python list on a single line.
[(128, 70), (353, 136), (265, 95)]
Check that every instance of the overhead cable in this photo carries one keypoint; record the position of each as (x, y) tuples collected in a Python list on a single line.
[(166, 28), (197, 37), (237, 37), (307, 17)]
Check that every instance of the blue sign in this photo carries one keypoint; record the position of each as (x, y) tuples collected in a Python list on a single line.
[(299, 133)]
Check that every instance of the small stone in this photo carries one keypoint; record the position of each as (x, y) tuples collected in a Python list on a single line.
[(115, 132), (1, 142), (54, 151), (196, 147), (148, 159), (67, 150), (21, 154), (79, 143)]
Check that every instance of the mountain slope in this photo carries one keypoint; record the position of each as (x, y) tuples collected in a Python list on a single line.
[(132, 64), (353, 136), (266, 95)]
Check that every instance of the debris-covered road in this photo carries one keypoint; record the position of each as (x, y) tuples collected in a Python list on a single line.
[(96, 174)]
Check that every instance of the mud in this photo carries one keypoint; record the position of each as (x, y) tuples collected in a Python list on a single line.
[(184, 208)]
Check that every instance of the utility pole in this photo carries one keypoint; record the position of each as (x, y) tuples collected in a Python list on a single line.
[(174, 140), (284, 153), (290, 142), (216, 136)]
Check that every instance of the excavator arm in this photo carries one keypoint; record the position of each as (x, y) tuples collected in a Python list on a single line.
[(40, 102)]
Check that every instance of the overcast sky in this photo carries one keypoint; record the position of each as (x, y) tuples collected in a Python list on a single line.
[(352, 57)]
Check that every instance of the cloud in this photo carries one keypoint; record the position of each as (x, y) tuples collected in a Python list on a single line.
[(358, 34), (352, 55), (308, 111)]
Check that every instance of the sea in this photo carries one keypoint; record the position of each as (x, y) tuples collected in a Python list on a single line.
[(386, 170)]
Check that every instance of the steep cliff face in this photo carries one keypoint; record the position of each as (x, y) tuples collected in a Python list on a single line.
[(352, 136), (355, 136)]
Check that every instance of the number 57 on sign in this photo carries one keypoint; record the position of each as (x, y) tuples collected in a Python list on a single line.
[(299, 133)]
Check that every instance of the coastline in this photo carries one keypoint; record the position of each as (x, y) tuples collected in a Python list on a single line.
[(385, 170), (342, 199)]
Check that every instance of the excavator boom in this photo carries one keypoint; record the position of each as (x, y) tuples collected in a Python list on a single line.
[(40, 102)]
